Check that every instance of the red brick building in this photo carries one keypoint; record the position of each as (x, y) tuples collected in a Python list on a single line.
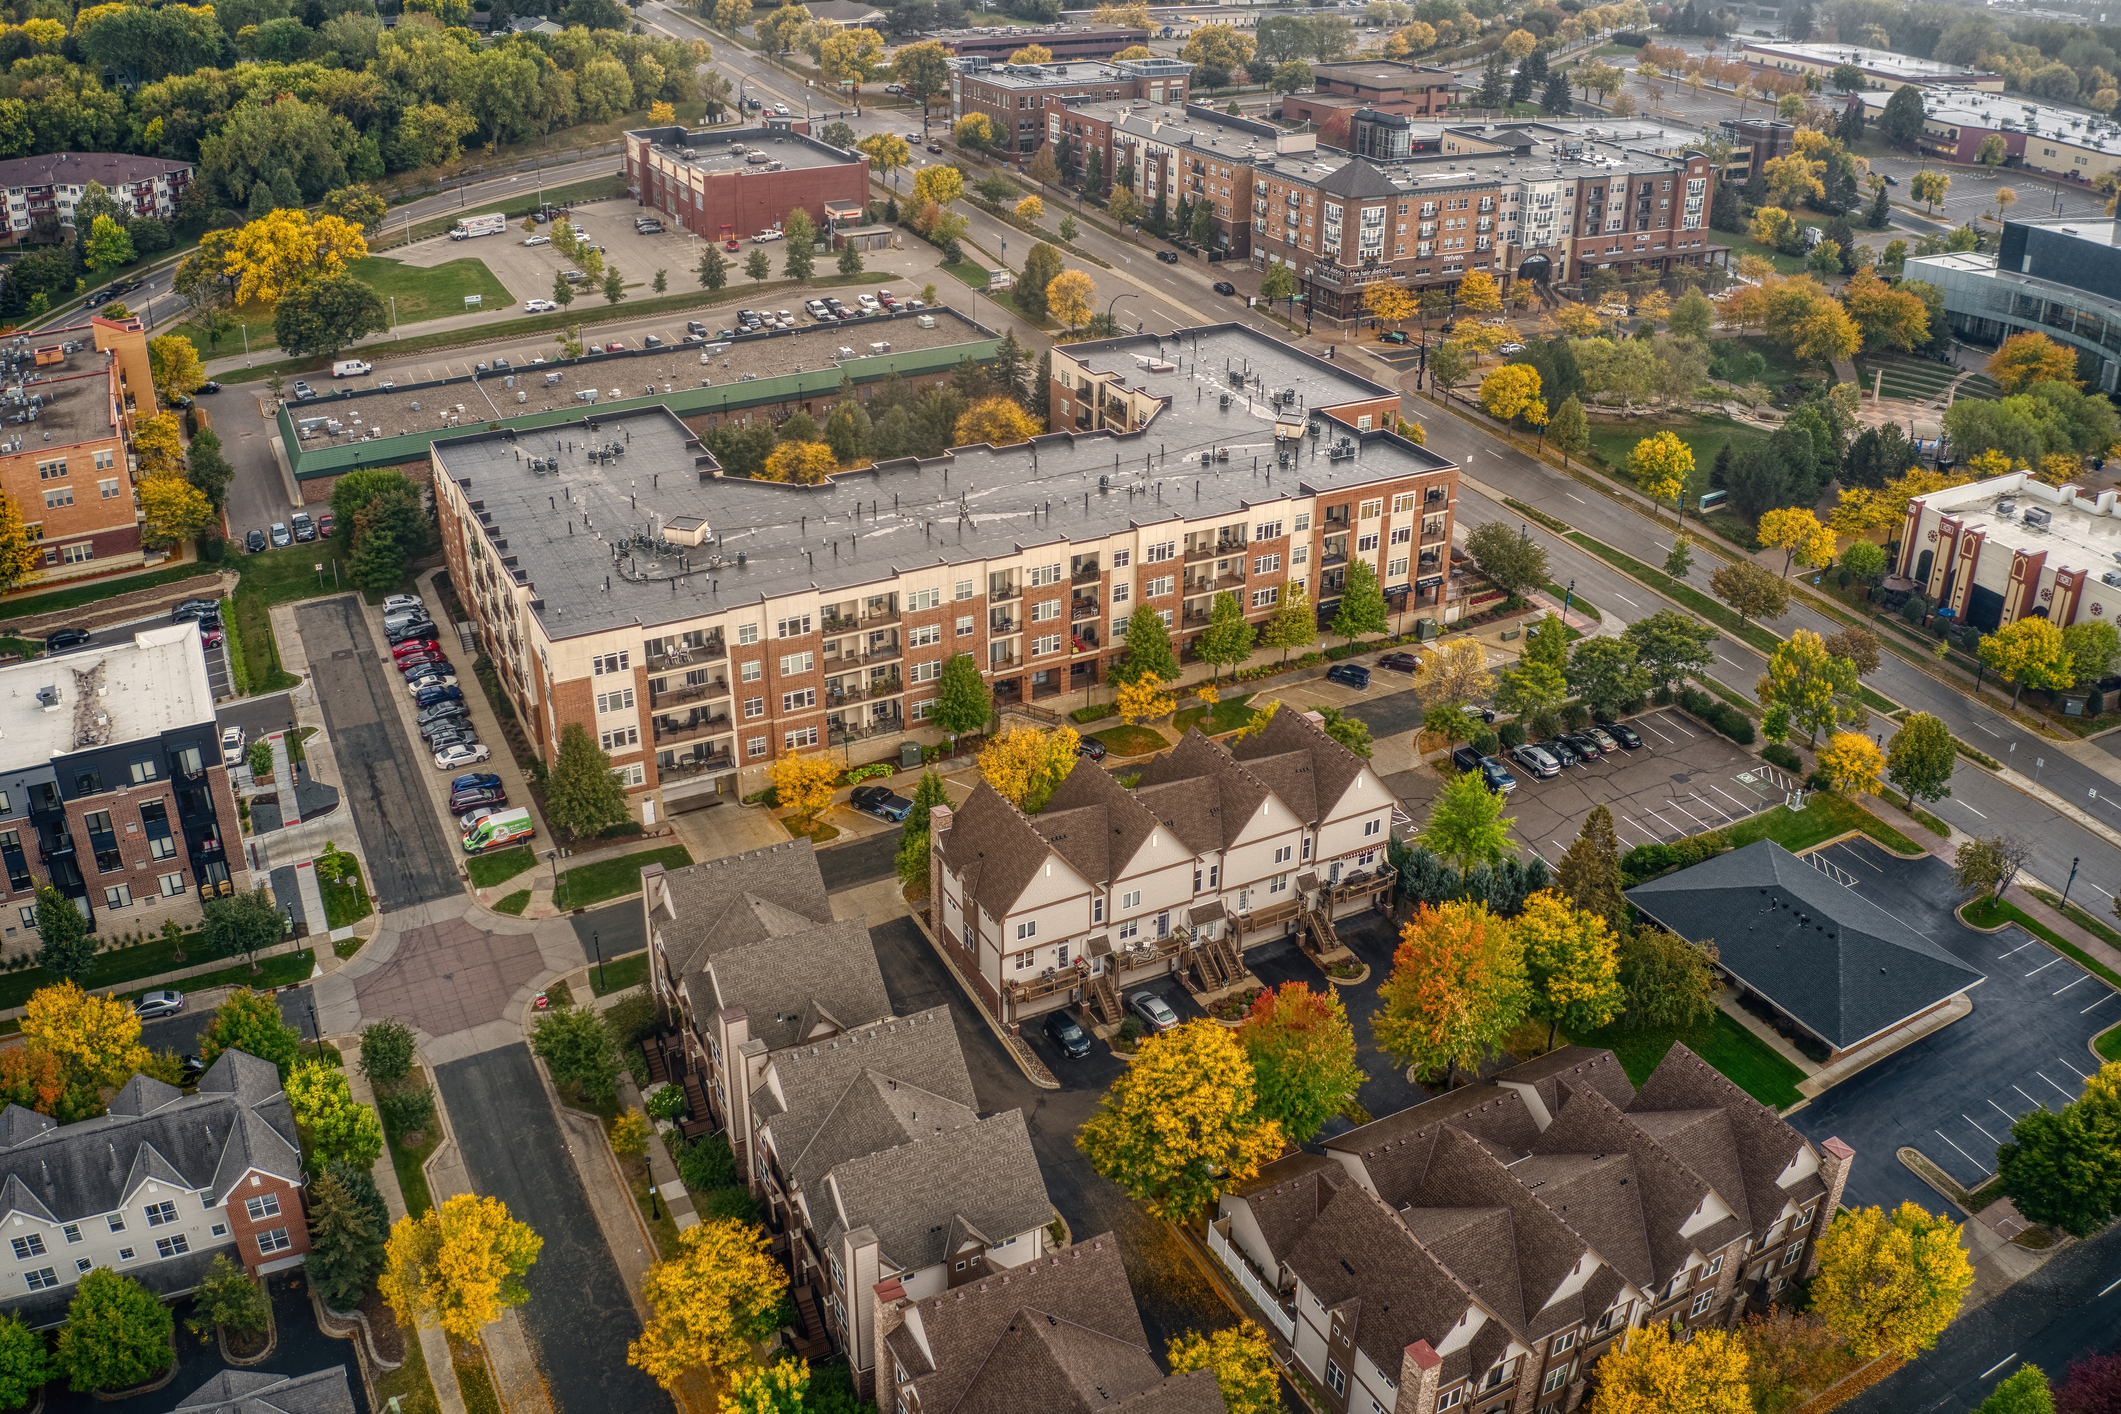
[(1019, 98), (1408, 90), (732, 184)]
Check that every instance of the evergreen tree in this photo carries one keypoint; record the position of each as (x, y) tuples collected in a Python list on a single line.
[(1010, 367), (1494, 83), (1555, 101), (1362, 603), (850, 259), (1881, 213), (1719, 475), (1148, 649), (1521, 85), (1039, 396), (1159, 215), (962, 702), (1590, 872), (912, 861), (582, 795), (1094, 173), (66, 949)]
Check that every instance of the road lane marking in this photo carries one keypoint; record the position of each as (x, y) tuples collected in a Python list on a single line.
[(1964, 806), (2065, 1094), (1963, 1154), (1576, 498), (2110, 1287), (1739, 666), (2044, 966), (1978, 1129), (2085, 978), (2090, 885), (1625, 600), (1991, 731)]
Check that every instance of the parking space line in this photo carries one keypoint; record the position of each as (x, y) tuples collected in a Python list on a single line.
[(1676, 830), (1858, 856), (2085, 978), (2101, 1002), (2004, 1112), (1645, 722), (2065, 1093), (1983, 1133), (2020, 948), (2035, 1103), (1968, 1157), (1679, 727), (2044, 966), (1728, 796), (2064, 1062), (1691, 815), (1708, 804)]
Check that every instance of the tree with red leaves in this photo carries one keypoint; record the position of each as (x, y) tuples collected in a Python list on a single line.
[(1303, 1057)]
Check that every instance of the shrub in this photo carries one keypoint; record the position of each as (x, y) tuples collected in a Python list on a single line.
[(1818, 781), (869, 772), (1484, 741), (1647, 861), (1510, 734), (1776, 754), (408, 1110), (1662, 697), (734, 1203), (631, 1017), (622, 828), (706, 1163), (386, 1052), (1576, 716), (1130, 1030), (1732, 723), (667, 1103), (1093, 713)]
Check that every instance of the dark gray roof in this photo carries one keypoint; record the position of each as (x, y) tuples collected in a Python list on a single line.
[(1357, 179), (1357, 1255), (1309, 770), (1829, 957), (255, 1392), (925, 1199), (995, 850), (705, 909), (796, 986)]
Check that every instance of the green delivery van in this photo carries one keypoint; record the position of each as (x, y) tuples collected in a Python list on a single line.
[(498, 831)]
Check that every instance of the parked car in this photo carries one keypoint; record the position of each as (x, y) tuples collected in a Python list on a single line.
[(1155, 1012), (1090, 747), (651, 342), (1065, 1032), (1536, 760), (538, 240), (410, 646), (254, 542), (1627, 736), (539, 306), (881, 802), (1497, 776), (463, 800), (429, 677), (66, 638), (441, 712), (232, 746), (422, 629), (326, 523), (1586, 745), (1400, 662), (193, 608), (209, 386), (421, 663), (1465, 759), (1353, 674), (1605, 739), (154, 1004), (281, 537), (426, 697), (303, 392), (476, 780), (450, 734), (1561, 751), (399, 603), (1224, 287), (452, 757), (1393, 336)]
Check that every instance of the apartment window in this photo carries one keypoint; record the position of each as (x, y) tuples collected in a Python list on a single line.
[(1156, 554), (922, 710), (1129, 928), (922, 599), (172, 1246), (1403, 535), (1715, 1264), (632, 775), (926, 636), (1119, 628), (71, 1232), (1370, 510), (1121, 593), (1701, 1303), (1366, 543), (754, 707), (62, 496), (51, 470), (747, 633), (1397, 569), (1804, 1219), (607, 663), (796, 664), (925, 672), (106, 459), (1159, 587), (1264, 598), (1043, 575), (751, 671), (172, 885), (1097, 910), (1556, 1378), (1336, 1377), (118, 896), (1267, 530), (1284, 853), (1563, 1344), (1027, 930), (28, 1247), (799, 700), (41, 1278), (620, 701), (116, 1222), (1790, 1256), (1050, 609), (964, 627), (1402, 503), (964, 589), (1303, 520), (755, 746), (273, 1241), (796, 740), (1280, 884), (796, 627), (1267, 564), (107, 490), (1122, 558), (1051, 643), (1300, 555), (1449, 1399), (1131, 899)]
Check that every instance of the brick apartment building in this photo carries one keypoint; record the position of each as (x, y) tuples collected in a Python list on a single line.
[(156, 1189), (1016, 97), (764, 618), (1481, 1250), (112, 787), (1405, 90), (68, 401), (1067, 43), (50, 184), (730, 184)]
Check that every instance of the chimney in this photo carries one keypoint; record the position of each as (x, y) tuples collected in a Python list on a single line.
[(1420, 1372), (938, 826), (1835, 1160), (888, 1305)]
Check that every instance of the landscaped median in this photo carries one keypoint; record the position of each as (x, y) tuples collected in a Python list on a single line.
[(1989, 914)]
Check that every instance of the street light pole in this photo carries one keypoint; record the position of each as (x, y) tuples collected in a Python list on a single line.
[(2072, 879), (1124, 294)]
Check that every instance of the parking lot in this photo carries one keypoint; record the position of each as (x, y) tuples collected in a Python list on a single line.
[(1684, 779), (1955, 1094)]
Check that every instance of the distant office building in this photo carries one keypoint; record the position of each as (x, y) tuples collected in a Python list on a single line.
[(2040, 137), (732, 184), (1407, 90), (2008, 548), (1883, 70), (2061, 278), (1017, 98), (1065, 43)]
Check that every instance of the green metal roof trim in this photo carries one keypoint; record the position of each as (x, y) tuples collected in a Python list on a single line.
[(333, 459)]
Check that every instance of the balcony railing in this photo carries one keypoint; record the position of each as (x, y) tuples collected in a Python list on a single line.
[(887, 726), (879, 616), (690, 692), (886, 687), (1084, 609), (678, 658), (1088, 574), (1003, 627), (1007, 591), (883, 653), (681, 731), (1233, 579), (1085, 642), (1005, 663), (1332, 558), (698, 765)]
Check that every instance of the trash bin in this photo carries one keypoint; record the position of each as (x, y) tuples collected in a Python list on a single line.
[(909, 755)]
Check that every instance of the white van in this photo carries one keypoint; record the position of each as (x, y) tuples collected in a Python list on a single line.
[(351, 368)]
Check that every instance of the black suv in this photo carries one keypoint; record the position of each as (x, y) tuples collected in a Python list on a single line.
[(1065, 1032)]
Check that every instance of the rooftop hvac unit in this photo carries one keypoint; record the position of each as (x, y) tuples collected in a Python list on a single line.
[(2038, 517), (2111, 578), (2006, 508)]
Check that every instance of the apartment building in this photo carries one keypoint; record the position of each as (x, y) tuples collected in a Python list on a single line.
[(858, 1128), (218, 1171), (1015, 97), (1215, 851), (1066, 43), (1060, 1333), (1482, 1250), (727, 184), (49, 184), (1404, 90), (703, 628), (112, 788), (68, 400)]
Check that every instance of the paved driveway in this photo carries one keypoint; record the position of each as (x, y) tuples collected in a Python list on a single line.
[(579, 1318), (410, 860), (1954, 1094)]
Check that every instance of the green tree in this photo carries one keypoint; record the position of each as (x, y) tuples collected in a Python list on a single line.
[(1351, 732), (913, 846), (227, 1298), (713, 269), (208, 469), (1604, 674), (1513, 562), (242, 923), (25, 1364), (582, 795), (1227, 640), (250, 1022), (334, 1126), (1302, 1051), (2059, 1170), (1466, 825), (346, 1239), (963, 703), (850, 259), (578, 1047), (1572, 967), (1362, 603), (563, 290), (1040, 266), (1754, 591), (107, 247), (66, 950), (1669, 645), (757, 265), (801, 259), (2025, 1392), (1292, 624), (614, 285), (1670, 983), (386, 1052), (1568, 431), (1589, 876), (1805, 677), (1902, 120), (116, 1333), (1920, 757), (1148, 651), (2092, 647), (356, 205), (324, 315)]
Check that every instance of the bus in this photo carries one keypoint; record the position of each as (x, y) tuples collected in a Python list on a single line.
[(498, 831)]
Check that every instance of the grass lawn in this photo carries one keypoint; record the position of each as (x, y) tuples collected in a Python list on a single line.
[(345, 903), (1131, 741), (617, 976), (408, 1386), (2108, 1044), (1225, 716), (101, 587), (1742, 243), (346, 948), (971, 272), (429, 292), (412, 1179), (1750, 1062), (490, 869), (279, 970), (1988, 913), (514, 904), (1824, 816), (274, 577), (475, 1384), (588, 884), (2103, 932), (149, 959), (1613, 442)]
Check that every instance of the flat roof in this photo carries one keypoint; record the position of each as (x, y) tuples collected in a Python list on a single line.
[(2010, 112), (1067, 71), (728, 149), (65, 377), (867, 527), (126, 690), (1380, 71), (1999, 509), (1879, 61)]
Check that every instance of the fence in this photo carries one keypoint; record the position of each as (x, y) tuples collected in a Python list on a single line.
[(1235, 1264)]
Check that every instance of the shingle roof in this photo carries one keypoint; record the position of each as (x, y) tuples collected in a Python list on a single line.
[(994, 849), (790, 986), (980, 1178), (1309, 770), (78, 169), (1761, 1142), (1357, 179), (1661, 1193), (1201, 793), (1128, 822), (744, 898), (1826, 955), (1358, 1251), (254, 1392)]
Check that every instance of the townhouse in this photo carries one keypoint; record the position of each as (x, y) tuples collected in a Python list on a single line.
[(1058, 1333), (47, 186), (705, 627), (1016, 97), (155, 1188), (858, 1129), (1215, 851), (1481, 1250)]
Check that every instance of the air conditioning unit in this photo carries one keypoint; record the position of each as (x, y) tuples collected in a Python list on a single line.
[(2038, 517)]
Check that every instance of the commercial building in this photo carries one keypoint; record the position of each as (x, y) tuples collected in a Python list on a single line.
[(2040, 137), (156, 1188), (1755, 142), (1883, 70), (1066, 43), (1405, 90), (1824, 956), (1016, 97), (48, 186), (723, 184), (2061, 278), (1482, 1250), (112, 788), (1217, 850), (2008, 548), (713, 624)]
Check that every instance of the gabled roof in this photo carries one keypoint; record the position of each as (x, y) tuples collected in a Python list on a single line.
[(1358, 1253), (1309, 770), (994, 849), (1828, 956), (1662, 1194), (728, 903), (1201, 793), (255, 1392), (1761, 1143), (1128, 823), (924, 1198), (1357, 179), (790, 986)]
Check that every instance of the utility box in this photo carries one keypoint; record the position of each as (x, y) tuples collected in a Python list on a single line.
[(909, 755), (1425, 629)]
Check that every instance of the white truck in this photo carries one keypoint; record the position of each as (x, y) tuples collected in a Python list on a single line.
[(491, 224)]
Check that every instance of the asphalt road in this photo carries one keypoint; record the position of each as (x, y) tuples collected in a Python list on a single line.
[(579, 1318), (410, 861), (180, 1033)]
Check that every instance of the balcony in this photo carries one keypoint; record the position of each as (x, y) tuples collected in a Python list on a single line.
[(698, 764), (1083, 609), (1007, 662), (693, 727), (1333, 557), (1086, 574), (677, 658), (883, 653), (1231, 579), (1085, 641), (1196, 553), (1003, 594), (886, 687), (1002, 628), (837, 732), (690, 692)]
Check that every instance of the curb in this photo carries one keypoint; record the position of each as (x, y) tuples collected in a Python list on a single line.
[(1042, 1078)]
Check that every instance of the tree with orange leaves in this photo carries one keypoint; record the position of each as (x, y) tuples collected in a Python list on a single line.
[(1303, 1057), (1457, 987)]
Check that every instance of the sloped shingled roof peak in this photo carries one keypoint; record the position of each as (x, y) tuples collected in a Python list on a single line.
[(995, 849)]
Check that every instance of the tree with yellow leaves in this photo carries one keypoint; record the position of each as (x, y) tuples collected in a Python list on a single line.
[(1578, 321), (175, 367), (939, 184), (998, 421), (156, 442), (1144, 700), (172, 511), (803, 784), (1457, 987), (1650, 1373), (1243, 1363), (19, 555), (974, 130), (1032, 54), (1661, 465), (2058, 468), (851, 57), (1990, 463), (1026, 765), (459, 1265), (1890, 1284), (1134, 15), (95, 1039), (732, 15), (1479, 293), (1513, 391), (2029, 653), (1031, 208), (721, 1293), (1068, 298), (1797, 533), (269, 256), (1181, 1122), (1851, 763), (1860, 509), (1572, 965), (1390, 304), (2029, 358), (661, 114), (803, 463), (887, 152)]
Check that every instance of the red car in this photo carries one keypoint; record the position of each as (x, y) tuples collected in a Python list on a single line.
[(731, 244), (324, 525), (615, 346), (410, 646)]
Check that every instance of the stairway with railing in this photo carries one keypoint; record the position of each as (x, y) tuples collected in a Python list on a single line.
[(1101, 1001)]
